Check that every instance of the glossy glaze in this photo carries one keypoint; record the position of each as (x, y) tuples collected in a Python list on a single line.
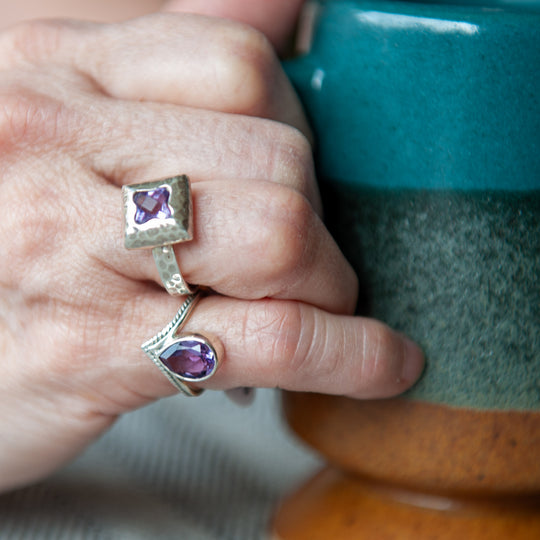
[(408, 94)]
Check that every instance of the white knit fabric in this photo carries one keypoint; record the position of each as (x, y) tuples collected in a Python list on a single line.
[(183, 468)]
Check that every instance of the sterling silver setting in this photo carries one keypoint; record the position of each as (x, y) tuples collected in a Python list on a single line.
[(157, 215), (170, 337)]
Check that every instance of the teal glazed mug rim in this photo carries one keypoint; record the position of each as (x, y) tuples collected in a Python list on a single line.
[(458, 43), (427, 122), (526, 5), (518, 5)]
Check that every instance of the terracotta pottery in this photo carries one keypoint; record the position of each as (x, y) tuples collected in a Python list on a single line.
[(405, 470)]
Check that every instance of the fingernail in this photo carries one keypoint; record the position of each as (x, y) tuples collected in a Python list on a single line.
[(413, 361)]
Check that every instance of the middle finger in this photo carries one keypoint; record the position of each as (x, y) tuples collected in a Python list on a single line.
[(252, 240)]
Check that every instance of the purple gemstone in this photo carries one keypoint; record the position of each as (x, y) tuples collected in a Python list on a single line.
[(151, 205), (189, 358)]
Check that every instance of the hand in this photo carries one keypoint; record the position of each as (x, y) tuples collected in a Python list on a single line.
[(86, 108)]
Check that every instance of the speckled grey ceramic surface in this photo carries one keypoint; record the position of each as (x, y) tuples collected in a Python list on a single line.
[(457, 271)]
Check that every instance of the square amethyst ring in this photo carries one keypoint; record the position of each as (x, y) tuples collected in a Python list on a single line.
[(157, 215)]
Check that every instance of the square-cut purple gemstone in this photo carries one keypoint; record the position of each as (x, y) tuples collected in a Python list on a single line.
[(153, 204)]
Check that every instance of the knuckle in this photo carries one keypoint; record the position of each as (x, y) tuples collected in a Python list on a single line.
[(33, 239), (30, 41), (291, 158), (284, 243), (245, 66), (27, 117), (277, 328), (14, 118)]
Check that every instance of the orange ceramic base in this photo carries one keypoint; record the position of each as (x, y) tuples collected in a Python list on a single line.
[(425, 446), (339, 506), (406, 470)]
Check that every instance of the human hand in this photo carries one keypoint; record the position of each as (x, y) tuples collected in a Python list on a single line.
[(86, 108)]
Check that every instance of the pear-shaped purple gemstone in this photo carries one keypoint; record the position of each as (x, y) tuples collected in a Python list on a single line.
[(190, 358)]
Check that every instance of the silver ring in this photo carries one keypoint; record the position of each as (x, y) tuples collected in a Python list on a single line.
[(183, 358), (157, 215)]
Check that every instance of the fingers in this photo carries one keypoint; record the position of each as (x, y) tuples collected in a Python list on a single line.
[(298, 347), (179, 59), (126, 140), (254, 235), (252, 239), (294, 346)]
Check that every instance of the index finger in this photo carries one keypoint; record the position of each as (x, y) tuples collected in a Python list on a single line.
[(181, 59)]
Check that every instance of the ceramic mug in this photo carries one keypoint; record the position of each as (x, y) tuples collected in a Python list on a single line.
[(427, 120)]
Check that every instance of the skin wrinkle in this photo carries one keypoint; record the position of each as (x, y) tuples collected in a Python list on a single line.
[(253, 97), (34, 239), (376, 355), (319, 361), (111, 397), (244, 333), (215, 159), (320, 349), (12, 328), (298, 355), (248, 329), (341, 345), (38, 125), (254, 67), (21, 118), (75, 386), (238, 143), (259, 219), (364, 351)]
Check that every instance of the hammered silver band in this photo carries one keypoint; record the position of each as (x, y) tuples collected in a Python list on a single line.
[(169, 342), (159, 214), (169, 272)]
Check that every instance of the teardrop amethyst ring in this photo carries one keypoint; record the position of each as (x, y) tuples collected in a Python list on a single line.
[(157, 215), (183, 358)]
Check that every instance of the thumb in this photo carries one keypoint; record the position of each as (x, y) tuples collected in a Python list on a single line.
[(275, 18)]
